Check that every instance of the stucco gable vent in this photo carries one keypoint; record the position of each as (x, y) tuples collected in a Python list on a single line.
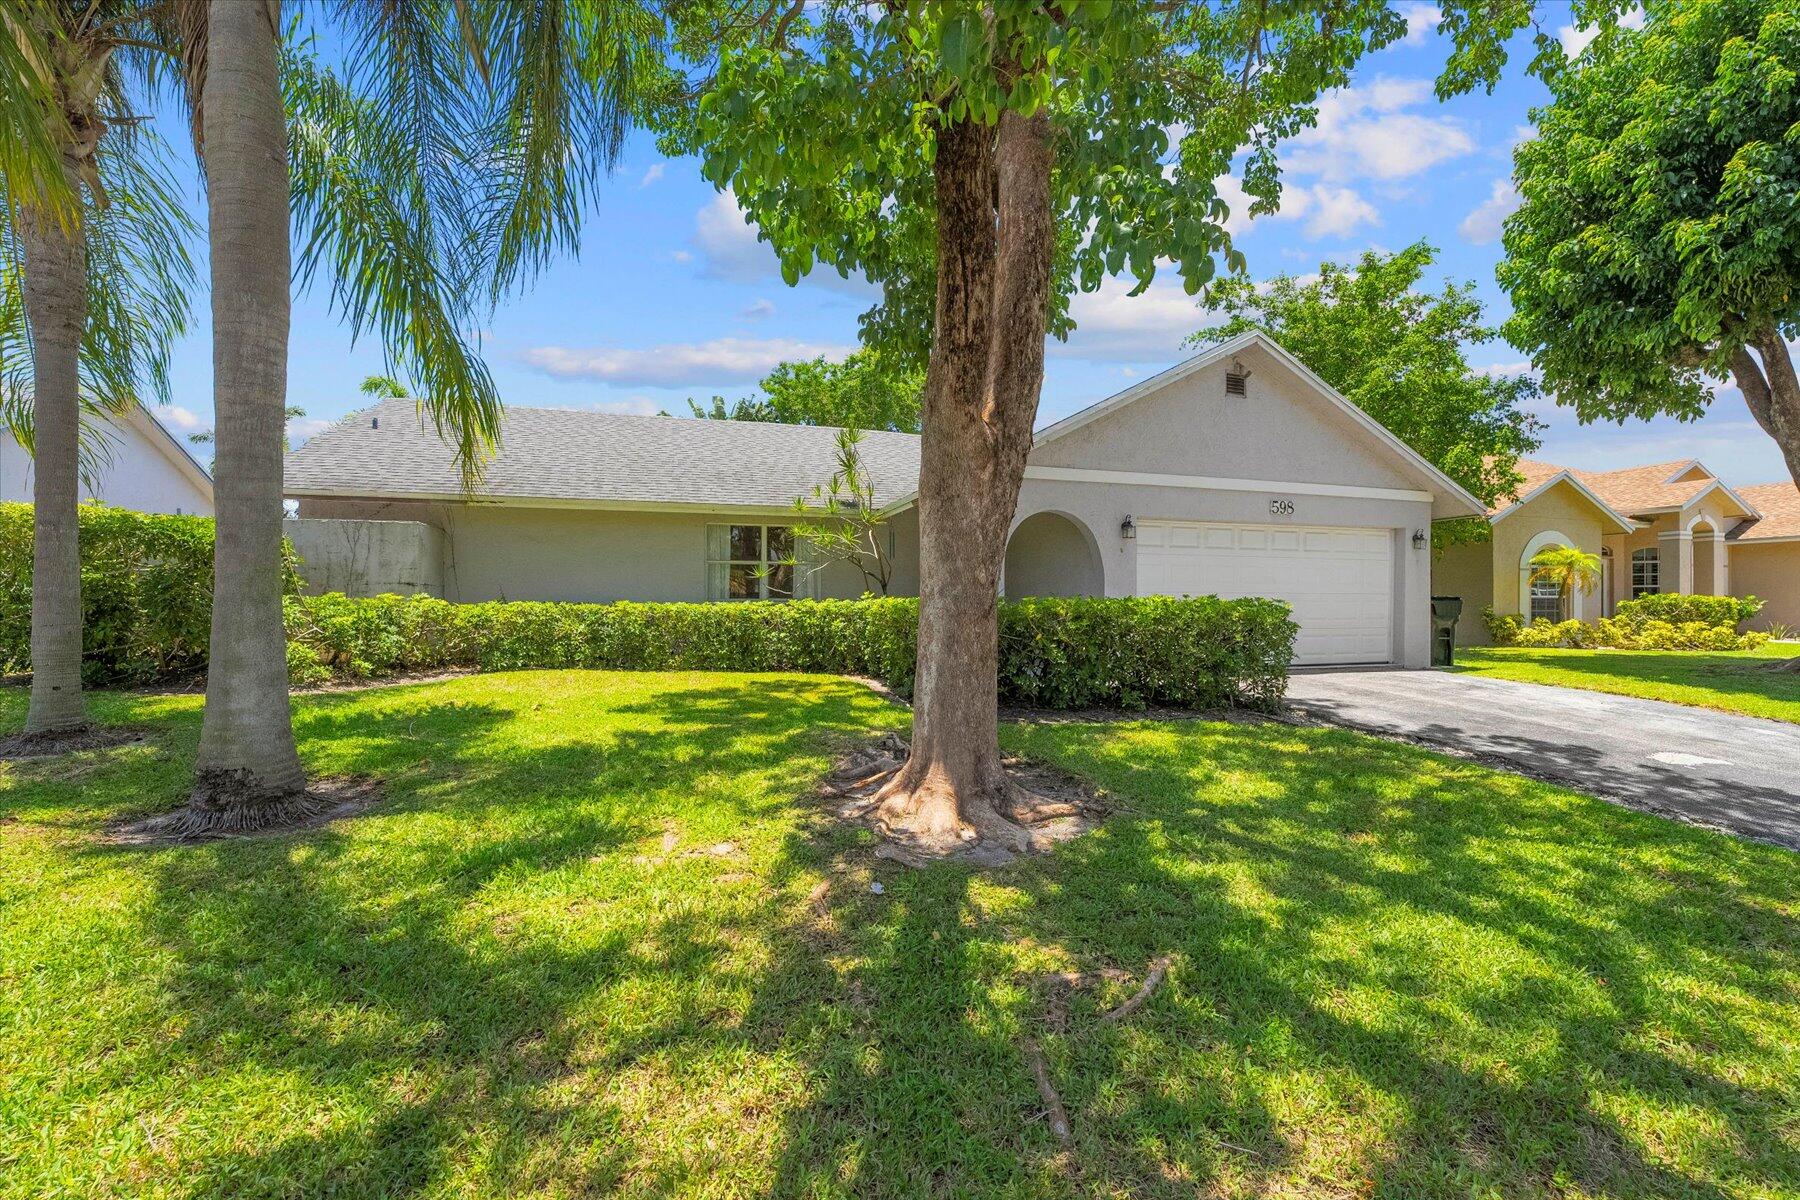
[(1235, 380)]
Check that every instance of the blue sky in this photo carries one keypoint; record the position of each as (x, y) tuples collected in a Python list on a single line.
[(672, 296)]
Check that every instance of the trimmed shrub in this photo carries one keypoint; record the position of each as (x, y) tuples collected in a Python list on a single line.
[(1688, 610), (1120, 653), (146, 592)]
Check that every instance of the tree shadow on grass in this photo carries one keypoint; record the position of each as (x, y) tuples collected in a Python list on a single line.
[(468, 974), (1394, 974)]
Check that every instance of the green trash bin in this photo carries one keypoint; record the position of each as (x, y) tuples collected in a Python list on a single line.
[(1445, 610)]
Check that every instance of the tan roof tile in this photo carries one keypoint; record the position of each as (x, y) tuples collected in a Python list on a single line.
[(1779, 504), (1639, 489)]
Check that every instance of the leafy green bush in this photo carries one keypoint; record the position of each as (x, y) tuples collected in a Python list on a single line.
[(146, 592), (1120, 653), (1687, 610), (1639, 625), (1503, 629)]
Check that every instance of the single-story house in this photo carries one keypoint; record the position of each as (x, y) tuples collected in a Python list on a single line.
[(142, 466), (1665, 527), (1238, 473)]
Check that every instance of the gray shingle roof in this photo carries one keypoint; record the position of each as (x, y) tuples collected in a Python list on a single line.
[(557, 454)]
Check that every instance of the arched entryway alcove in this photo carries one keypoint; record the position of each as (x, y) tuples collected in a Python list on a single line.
[(1052, 554)]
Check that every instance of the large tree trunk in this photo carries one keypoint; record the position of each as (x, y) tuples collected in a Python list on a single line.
[(996, 236), (247, 756), (55, 288), (1772, 393)]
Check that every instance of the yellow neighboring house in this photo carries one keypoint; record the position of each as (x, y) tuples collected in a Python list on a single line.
[(1666, 527)]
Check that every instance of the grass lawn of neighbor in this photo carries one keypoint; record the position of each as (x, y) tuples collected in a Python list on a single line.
[(1737, 682), (599, 939)]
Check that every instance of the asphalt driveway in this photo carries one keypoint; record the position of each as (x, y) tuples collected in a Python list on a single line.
[(1710, 768)]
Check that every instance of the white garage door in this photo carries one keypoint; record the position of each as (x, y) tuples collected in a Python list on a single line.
[(1340, 582)]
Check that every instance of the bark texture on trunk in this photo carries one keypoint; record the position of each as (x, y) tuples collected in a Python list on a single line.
[(1772, 392), (247, 754), (996, 235), (55, 287)]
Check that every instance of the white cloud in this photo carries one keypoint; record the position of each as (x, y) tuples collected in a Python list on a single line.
[(759, 311), (1421, 22), (1486, 223), (1111, 325), (1334, 211), (682, 256), (652, 175), (1574, 40), (631, 406), (1327, 211), (678, 364), (302, 428), (1366, 132), (731, 250), (729, 243), (179, 417)]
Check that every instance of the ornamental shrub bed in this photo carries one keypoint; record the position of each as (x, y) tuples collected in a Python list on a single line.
[(1200, 652), (1655, 622), (146, 592)]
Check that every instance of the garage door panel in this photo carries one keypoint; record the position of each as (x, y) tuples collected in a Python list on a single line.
[(1338, 582)]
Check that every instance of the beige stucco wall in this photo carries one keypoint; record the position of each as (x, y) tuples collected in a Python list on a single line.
[(1771, 572), (1563, 510), (1279, 431), (368, 558), (503, 552), (1466, 571)]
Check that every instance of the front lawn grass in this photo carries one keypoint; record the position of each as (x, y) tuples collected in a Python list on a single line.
[(1737, 682), (596, 942)]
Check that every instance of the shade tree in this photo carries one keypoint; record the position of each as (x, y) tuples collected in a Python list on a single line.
[(980, 163)]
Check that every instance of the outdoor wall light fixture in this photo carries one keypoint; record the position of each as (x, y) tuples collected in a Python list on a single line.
[(1418, 539), (1127, 528)]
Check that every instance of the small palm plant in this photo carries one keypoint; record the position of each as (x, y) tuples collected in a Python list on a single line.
[(1569, 569)]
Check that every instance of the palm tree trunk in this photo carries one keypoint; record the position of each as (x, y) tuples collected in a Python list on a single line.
[(247, 756), (55, 288)]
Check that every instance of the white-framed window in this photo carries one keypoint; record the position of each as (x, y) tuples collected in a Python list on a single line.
[(753, 562), (1546, 601), (1646, 572)]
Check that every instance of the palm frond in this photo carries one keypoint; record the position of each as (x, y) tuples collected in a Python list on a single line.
[(363, 214), (34, 128), (140, 278), (568, 77)]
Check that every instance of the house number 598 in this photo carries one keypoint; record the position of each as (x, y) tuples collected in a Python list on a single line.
[(1281, 508)]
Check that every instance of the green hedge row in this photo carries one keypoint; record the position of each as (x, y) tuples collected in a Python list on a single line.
[(147, 599), (146, 592), (1054, 653), (1687, 610)]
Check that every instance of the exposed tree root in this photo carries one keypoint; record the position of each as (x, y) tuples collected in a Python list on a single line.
[(1030, 810), (1056, 1018), (1159, 970), (1053, 1105), (1788, 665), (225, 805), (47, 743)]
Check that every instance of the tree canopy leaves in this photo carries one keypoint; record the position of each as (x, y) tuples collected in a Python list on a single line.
[(823, 121), (1399, 354), (1660, 232), (865, 390)]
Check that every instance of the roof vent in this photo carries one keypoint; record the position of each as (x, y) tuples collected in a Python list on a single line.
[(1234, 383), (374, 422)]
